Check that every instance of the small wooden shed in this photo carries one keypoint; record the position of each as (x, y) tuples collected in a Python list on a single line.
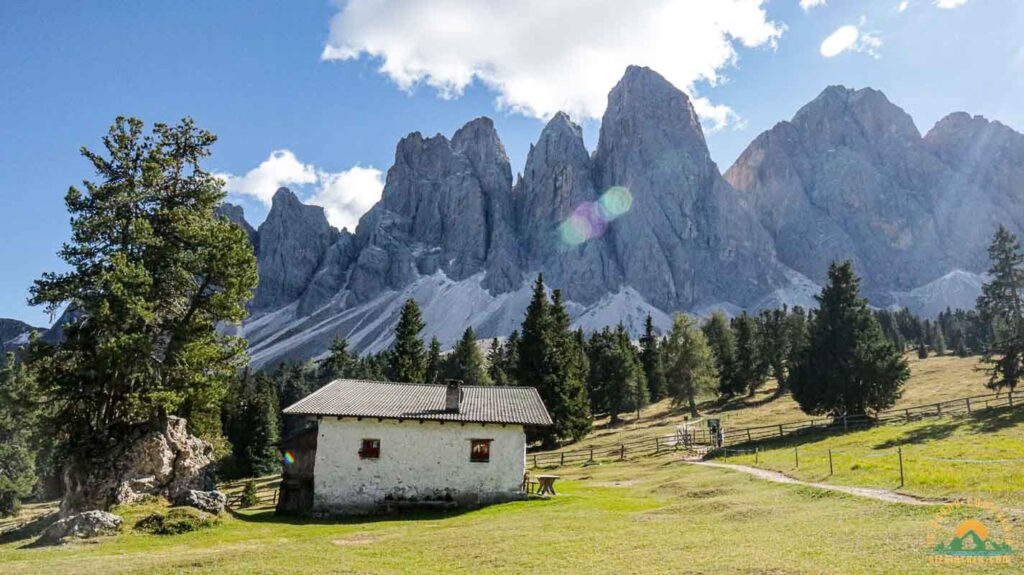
[(298, 453)]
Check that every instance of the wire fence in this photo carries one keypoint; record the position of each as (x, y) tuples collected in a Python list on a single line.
[(703, 440), (886, 466)]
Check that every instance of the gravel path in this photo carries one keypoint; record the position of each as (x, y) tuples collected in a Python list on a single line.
[(869, 492)]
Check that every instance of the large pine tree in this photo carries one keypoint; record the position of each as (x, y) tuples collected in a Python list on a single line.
[(152, 272), (20, 407), (650, 358), (723, 344), (689, 363), (1001, 305), (848, 366), (252, 426), (550, 358), (435, 362), (748, 369), (408, 363), (466, 363)]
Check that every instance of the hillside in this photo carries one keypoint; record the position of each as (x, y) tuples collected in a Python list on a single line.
[(932, 380)]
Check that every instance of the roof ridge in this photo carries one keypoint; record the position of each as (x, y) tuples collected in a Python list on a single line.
[(340, 379)]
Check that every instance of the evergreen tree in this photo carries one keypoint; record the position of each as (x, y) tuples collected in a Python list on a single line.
[(496, 363), (748, 366), (510, 353), (848, 366), (775, 344), (615, 381), (922, 351), (568, 359), (1001, 305), (435, 362), (20, 407), (689, 363), (252, 425), (408, 361), (466, 363), (650, 358), (152, 271), (797, 337), (960, 348), (292, 382), (723, 345), (940, 341), (339, 363)]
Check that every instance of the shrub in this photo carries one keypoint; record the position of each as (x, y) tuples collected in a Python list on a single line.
[(249, 495), (177, 521)]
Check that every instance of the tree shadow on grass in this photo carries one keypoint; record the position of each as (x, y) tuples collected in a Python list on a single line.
[(933, 432), (29, 530)]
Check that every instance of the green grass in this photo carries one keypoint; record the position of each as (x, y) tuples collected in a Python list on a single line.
[(930, 450), (936, 379), (651, 515), (646, 514)]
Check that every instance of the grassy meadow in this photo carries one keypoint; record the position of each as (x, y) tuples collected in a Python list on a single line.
[(648, 514)]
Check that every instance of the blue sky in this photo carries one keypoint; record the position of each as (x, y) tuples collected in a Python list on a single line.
[(304, 79)]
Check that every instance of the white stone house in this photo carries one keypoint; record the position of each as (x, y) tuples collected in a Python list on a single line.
[(383, 444)]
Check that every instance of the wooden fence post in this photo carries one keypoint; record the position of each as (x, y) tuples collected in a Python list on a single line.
[(780, 431), (939, 407), (748, 435), (535, 461), (968, 406), (591, 453), (844, 423), (899, 451), (622, 451), (796, 456), (1010, 395), (757, 458), (830, 462), (908, 415), (561, 462)]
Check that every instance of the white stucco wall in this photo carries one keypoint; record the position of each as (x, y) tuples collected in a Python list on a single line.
[(418, 461)]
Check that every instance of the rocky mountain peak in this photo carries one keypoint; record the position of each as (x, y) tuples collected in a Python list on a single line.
[(292, 242), (862, 118)]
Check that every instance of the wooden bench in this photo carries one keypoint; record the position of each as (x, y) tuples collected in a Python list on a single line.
[(530, 485)]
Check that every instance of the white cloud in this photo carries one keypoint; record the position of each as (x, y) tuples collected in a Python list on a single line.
[(850, 38), (542, 56), (282, 168), (949, 4), (345, 196), (808, 4), (903, 5)]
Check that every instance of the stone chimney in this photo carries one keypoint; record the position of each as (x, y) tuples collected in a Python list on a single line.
[(453, 395)]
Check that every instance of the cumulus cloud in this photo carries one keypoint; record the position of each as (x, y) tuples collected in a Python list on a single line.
[(808, 4), (542, 56), (282, 168), (345, 196), (850, 38), (949, 4)]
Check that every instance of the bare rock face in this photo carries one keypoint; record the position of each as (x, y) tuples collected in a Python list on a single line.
[(166, 461), (689, 238), (446, 207), (292, 243), (558, 179), (850, 177), (236, 214), (84, 525)]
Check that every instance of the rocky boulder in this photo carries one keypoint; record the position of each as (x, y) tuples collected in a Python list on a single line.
[(208, 501), (164, 460), (82, 526)]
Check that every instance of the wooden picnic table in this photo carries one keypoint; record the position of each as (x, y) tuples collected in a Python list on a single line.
[(547, 484)]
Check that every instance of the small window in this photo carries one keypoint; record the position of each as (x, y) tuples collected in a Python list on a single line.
[(480, 451), (370, 449)]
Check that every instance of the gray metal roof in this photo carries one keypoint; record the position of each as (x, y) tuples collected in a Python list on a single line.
[(480, 404)]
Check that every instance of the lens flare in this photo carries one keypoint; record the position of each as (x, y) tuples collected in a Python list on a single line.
[(289, 458), (590, 219), (616, 201)]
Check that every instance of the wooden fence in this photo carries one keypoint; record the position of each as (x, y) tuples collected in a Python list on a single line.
[(701, 439)]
